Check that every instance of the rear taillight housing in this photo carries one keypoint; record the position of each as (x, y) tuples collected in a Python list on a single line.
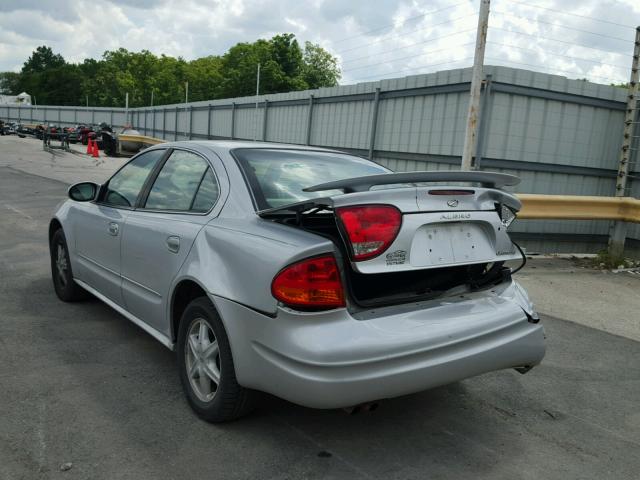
[(312, 284), (369, 228)]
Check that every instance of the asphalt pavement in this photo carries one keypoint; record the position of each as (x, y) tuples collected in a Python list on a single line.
[(85, 394)]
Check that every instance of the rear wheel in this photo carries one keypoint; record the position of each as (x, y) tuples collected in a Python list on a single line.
[(206, 366), (66, 289)]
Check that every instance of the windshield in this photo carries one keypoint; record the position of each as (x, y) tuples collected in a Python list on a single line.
[(277, 177)]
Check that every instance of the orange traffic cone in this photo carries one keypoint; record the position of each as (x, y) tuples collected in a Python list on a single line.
[(89, 147), (95, 152)]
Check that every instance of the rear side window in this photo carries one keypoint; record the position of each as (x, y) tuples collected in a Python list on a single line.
[(124, 187), (207, 193), (277, 177), (185, 183)]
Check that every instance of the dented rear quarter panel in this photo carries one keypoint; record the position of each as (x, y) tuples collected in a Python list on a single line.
[(238, 258)]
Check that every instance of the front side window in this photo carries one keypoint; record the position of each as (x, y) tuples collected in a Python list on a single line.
[(278, 177), (124, 187), (183, 184)]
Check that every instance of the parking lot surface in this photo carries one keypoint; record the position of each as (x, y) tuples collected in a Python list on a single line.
[(85, 389)]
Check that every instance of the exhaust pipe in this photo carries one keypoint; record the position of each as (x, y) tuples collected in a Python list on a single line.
[(363, 407)]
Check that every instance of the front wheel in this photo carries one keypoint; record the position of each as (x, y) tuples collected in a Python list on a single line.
[(66, 288), (206, 366)]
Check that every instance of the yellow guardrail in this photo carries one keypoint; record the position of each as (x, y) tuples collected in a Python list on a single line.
[(140, 138), (575, 207)]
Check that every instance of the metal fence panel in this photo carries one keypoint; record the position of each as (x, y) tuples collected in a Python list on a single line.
[(560, 136)]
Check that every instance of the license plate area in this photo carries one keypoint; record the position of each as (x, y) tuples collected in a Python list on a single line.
[(451, 243)]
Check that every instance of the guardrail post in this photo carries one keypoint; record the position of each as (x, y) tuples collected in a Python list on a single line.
[(93, 117), (619, 230), (59, 116), (190, 121), (19, 114), (309, 119), (233, 120), (209, 109), (374, 123), (264, 120), (153, 123)]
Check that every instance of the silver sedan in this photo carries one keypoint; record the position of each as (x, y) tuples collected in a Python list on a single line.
[(317, 276)]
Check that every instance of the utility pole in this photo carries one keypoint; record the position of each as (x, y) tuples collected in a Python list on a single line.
[(186, 108), (619, 230), (476, 84), (152, 97), (255, 119), (126, 109), (87, 101)]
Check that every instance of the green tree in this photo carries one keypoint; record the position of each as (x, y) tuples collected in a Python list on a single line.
[(284, 67), (205, 78), (320, 67), (42, 59), (9, 83)]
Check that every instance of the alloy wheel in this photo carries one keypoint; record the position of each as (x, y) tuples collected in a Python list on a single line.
[(202, 360), (62, 267)]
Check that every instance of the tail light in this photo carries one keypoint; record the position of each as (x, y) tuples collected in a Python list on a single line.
[(313, 284), (371, 228)]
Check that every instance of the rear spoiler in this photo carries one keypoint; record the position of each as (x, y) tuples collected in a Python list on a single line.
[(299, 207), (362, 184)]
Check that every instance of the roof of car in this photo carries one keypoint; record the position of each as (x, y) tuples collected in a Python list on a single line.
[(231, 144)]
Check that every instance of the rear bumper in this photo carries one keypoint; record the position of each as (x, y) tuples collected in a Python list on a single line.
[(331, 359)]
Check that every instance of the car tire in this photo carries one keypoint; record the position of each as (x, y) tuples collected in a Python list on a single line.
[(66, 288), (204, 355)]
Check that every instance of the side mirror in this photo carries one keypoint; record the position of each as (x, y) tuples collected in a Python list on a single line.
[(83, 191)]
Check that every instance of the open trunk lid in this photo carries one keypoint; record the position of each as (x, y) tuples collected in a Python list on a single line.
[(441, 225)]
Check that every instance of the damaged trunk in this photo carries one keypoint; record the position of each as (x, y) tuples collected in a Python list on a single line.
[(395, 287)]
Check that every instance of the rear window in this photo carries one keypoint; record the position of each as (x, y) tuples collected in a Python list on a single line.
[(277, 177)]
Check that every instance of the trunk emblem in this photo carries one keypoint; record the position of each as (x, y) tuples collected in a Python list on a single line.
[(452, 203)]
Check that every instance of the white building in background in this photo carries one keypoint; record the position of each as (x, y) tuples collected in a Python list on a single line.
[(23, 99)]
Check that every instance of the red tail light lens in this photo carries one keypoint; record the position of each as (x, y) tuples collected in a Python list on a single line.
[(371, 229), (313, 283)]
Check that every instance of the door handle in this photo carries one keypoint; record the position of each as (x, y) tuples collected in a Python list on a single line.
[(113, 228), (173, 243)]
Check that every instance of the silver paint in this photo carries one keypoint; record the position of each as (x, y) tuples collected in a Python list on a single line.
[(323, 359)]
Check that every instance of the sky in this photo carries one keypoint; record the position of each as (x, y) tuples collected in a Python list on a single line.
[(590, 39)]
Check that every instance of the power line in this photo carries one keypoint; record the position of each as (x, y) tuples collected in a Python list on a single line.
[(557, 40), (410, 45), (416, 68), (537, 20), (559, 55), (407, 57), (573, 14), (405, 33), (409, 19)]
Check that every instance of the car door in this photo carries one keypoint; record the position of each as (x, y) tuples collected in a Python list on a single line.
[(158, 235), (97, 225)]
